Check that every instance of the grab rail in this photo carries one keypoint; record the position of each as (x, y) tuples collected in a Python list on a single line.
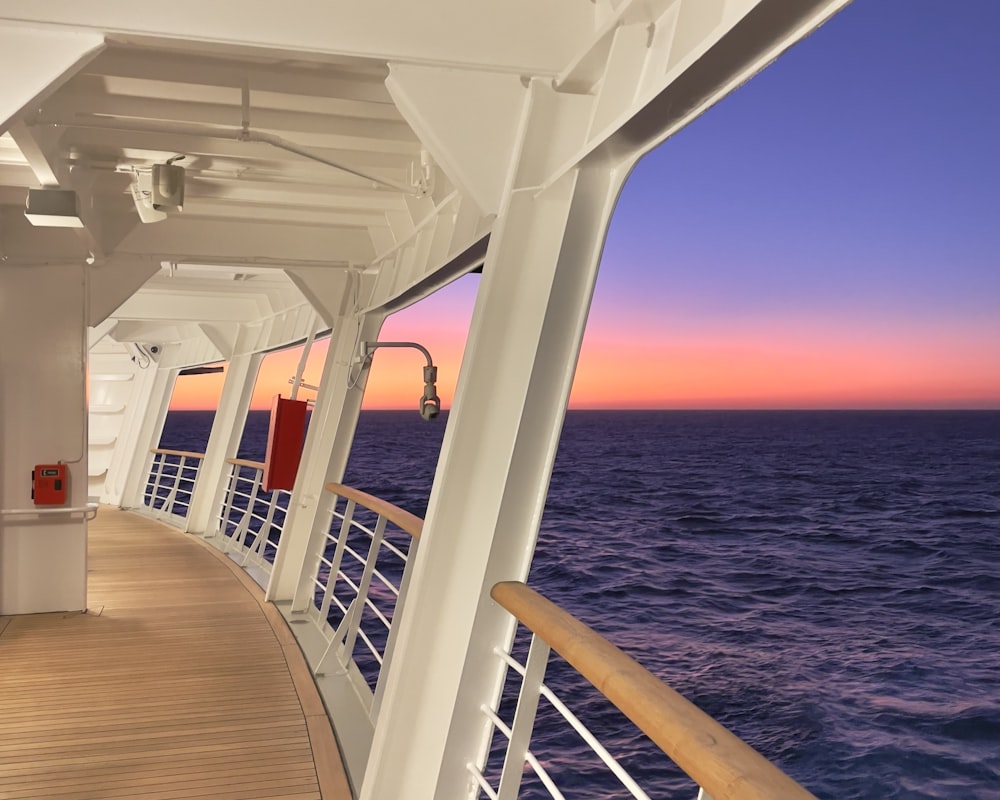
[(89, 511), (723, 765), (356, 585), (171, 481)]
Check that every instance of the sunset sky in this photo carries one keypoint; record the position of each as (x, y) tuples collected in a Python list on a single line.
[(826, 237)]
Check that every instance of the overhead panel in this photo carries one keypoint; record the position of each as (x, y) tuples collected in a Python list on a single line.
[(34, 63), (522, 36)]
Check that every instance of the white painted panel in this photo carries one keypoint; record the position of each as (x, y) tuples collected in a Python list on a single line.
[(42, 421), (523, 35), (32, 62)]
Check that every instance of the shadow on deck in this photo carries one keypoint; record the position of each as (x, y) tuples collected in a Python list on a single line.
[(178, 682)]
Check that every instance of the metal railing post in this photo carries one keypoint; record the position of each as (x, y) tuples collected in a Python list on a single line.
[(168, 504), (337, 559), (366, 582), (227, 505), (390, 644), (240, 534), (158, 459), (524, 719)]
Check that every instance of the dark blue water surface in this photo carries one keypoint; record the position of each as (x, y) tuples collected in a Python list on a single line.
[(825, 584)]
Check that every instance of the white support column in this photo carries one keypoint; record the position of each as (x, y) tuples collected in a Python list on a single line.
[(43, 420), (157, 404), (328, 444), (227, 430), (490, 486)]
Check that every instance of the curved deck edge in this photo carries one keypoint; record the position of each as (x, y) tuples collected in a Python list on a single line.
[(332, 776)]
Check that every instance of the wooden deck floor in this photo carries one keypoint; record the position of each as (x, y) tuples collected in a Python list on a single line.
[(179, 682)]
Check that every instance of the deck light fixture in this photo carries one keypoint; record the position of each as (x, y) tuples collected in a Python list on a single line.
[(430, 403)]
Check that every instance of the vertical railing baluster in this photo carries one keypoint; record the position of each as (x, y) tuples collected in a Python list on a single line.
[(264, 535), (240, 534), (159, 458), (390, 644), (337, 559), (168, 504), (195, 468), (305, 591), (365, 585), (524, 719), (227, 506)]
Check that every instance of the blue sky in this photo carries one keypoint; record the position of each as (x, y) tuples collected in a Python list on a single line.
[(859, 172)]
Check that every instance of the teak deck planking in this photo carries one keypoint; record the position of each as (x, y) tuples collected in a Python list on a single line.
[(178, 682)]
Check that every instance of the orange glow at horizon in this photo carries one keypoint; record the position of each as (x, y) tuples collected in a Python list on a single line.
[(197, 392), (636, 361), (617, 373)]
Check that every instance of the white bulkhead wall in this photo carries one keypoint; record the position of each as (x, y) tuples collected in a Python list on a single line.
[(43, 345), (43, 420)]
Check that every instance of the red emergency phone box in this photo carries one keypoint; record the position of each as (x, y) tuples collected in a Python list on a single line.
[(49, 484)]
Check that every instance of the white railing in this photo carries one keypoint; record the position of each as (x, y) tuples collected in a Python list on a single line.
[(172, 478), (250, 518), (356, 582), (721, 765)]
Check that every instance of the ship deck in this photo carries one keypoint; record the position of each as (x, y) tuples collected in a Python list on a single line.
[(178, 682)]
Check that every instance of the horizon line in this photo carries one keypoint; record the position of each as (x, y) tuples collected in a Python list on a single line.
[(851, 409)]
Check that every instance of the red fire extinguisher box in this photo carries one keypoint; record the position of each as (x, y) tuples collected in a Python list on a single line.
[(284, 443)]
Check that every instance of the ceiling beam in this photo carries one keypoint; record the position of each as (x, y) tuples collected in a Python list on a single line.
[(230, 159), (186, 307), (516, 36), (192, 69), (230, 209), (198, 241), (316, 142), (78, 108), (316, 195)]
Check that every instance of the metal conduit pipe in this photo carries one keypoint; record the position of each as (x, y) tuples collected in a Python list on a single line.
[(291, 147)]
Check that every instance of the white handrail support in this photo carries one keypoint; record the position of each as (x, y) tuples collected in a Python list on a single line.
[(524, 720)]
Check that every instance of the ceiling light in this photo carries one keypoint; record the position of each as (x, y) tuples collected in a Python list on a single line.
[(53, 208)]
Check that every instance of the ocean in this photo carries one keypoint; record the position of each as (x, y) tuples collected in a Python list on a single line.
[(825, 584)]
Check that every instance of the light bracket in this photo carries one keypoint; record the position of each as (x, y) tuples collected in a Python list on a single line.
[(430, 403)]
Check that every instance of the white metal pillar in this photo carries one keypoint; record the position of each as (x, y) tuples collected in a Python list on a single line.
[(327, 446), (224, 440), (490, 486)]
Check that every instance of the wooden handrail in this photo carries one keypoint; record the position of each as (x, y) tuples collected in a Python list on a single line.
[(242, 462), (408, 522), (721, 763), (183, 453)]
